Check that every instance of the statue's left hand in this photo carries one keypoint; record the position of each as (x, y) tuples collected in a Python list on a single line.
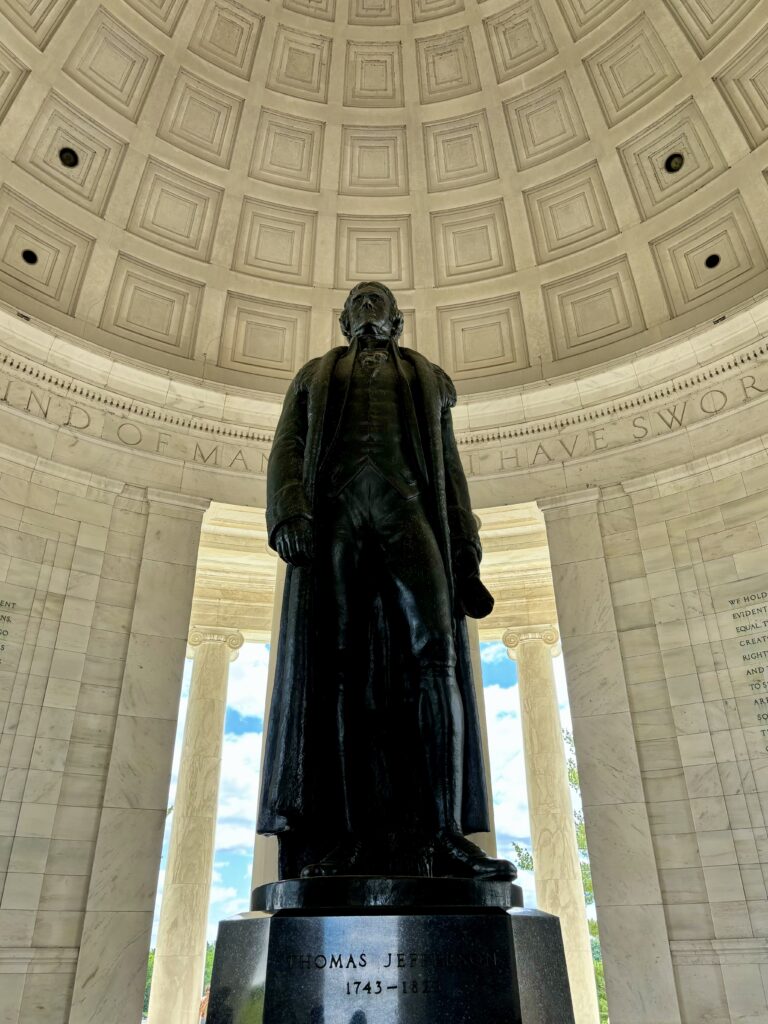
[(466, 561), (474, 598), (295, 541)]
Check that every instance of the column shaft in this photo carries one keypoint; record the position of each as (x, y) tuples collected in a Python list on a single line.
[(556, 868), (181, 941)]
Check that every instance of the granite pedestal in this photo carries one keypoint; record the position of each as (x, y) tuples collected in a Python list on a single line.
[(390, 951)]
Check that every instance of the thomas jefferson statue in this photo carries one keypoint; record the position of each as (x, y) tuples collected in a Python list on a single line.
[(373, 762)]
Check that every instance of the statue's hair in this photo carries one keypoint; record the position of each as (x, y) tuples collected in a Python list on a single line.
[(397, 317)]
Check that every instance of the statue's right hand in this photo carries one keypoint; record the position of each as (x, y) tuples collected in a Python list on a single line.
[(295, 541)]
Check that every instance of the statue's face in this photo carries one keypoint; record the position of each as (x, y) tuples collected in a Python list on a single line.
[(370, 311)]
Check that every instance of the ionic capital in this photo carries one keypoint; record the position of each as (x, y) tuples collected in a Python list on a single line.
[(544, 633), (231, 639)]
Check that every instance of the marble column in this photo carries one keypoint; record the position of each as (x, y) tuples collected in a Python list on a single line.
[(181, 941), (630, 897), (112, 961), (557, 872)]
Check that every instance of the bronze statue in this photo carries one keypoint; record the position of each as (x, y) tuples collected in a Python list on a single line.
[(373, 761)]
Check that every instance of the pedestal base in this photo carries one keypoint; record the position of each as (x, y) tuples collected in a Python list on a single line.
[(401, 894), (477, 967)]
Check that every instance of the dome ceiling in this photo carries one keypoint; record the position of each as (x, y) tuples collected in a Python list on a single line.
[(545, 184)]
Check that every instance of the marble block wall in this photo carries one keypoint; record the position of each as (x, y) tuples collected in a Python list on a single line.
[(662, 592), (96, 578)]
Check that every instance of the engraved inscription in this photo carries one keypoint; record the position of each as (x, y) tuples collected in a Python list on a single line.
[(15, 605), (7, 608), (743, 617), (404, 973)]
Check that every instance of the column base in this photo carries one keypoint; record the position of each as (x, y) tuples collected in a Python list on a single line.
[(417, 966)]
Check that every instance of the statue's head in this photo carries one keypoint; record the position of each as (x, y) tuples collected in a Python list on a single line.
[(371, 309)]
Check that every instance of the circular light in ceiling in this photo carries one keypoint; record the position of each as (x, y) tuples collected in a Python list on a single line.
[(68, 156), (712, 261), (29, 256), (674, 163)]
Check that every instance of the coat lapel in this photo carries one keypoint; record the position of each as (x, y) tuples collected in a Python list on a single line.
[(317, 403), (432, 402)]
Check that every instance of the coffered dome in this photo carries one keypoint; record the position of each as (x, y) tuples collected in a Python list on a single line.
[(545, 184)]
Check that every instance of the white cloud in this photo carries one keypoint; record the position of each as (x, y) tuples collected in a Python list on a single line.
[(493, 653), (235, 836), (525, 881), (505, 741), (247, 690), (561, 686), (238, 792), (222, 893)]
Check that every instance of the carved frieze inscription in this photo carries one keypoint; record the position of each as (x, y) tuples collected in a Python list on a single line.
[(169, 435), (638, 422), (649, 416), (742, 611)]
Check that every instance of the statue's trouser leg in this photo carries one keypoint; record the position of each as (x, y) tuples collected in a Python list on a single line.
[(417, 570), (344, 692), (372, 524), (346, 597), (441, 722)]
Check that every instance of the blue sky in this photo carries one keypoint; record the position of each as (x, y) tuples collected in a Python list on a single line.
[(238, 792)]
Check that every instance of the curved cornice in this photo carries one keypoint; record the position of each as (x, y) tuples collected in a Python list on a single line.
[(74, 389), (702, 376), (648, 398)]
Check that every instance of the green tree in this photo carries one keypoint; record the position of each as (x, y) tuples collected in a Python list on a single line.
[(148, 985), (523, 856), (210, 951), (597, 956)]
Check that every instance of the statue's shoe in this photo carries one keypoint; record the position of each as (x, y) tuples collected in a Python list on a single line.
[(350, 857), (456, 856)]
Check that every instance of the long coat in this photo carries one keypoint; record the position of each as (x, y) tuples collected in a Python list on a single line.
[(298, 790)]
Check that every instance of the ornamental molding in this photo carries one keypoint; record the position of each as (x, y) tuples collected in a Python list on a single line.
[(48, 960), (70, 387), (717, 952), (36, 380), (649, 397)]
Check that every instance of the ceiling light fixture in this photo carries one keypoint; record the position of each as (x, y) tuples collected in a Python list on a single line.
[(69, 157)]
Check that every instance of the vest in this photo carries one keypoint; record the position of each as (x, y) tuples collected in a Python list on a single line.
[(372, 431)]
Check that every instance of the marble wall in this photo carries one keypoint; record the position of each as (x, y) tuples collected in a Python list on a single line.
[(662, 592), (96, 582)]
